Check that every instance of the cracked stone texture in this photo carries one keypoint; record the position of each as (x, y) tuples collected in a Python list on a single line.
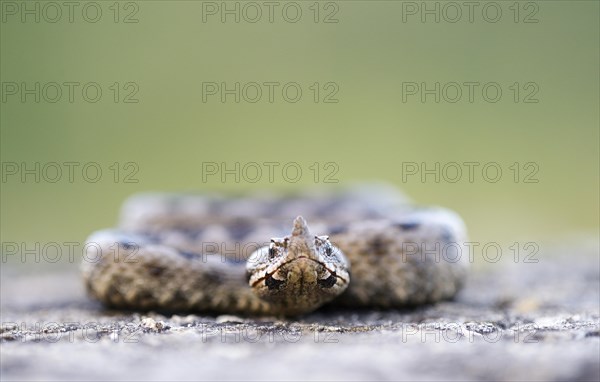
[(525, 321)]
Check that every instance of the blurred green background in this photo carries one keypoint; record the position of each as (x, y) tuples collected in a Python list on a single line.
[(372, 49)]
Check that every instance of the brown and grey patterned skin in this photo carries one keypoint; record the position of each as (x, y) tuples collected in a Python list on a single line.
[(367, 246)]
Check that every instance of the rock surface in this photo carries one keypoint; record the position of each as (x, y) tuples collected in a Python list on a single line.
[(537, 321)]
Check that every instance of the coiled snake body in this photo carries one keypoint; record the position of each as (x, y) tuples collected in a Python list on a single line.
[(367, 246)]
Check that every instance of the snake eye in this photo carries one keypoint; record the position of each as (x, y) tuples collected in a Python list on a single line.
[(272, 252), (272, 283), (328, 250), (328, 282)]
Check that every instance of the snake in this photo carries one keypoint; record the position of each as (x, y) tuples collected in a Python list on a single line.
[(264, 253)]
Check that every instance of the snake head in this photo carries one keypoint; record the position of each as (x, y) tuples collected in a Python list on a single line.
[(299, 272)]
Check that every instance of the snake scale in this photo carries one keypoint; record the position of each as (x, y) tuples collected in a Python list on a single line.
[(364, 246)]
